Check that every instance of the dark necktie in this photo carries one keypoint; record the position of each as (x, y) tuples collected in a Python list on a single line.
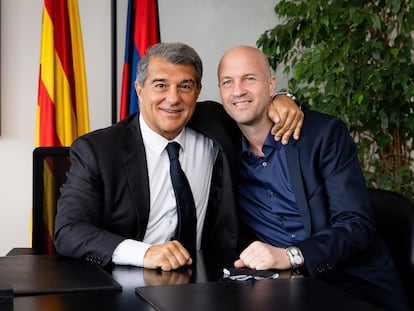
[(186, 231)]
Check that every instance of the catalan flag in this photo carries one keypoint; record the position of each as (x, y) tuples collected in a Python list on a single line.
[(142, 31), (62, 108)]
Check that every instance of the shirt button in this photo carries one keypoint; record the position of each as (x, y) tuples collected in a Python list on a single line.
[(293, 236), (264, 164)]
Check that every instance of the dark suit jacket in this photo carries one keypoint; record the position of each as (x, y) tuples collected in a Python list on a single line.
[(333, 201), (106, 197)]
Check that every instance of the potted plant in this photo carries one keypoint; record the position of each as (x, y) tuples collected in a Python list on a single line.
[(354, 59)]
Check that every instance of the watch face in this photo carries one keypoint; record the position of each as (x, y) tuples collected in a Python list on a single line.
[(294, 251), (298, 260), (296, 256)]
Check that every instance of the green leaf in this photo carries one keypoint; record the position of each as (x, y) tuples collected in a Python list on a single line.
[(395, 52), (375, 20)]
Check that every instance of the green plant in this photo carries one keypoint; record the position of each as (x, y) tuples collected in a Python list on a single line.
[(354, 59)]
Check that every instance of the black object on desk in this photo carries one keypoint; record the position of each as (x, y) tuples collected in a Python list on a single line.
[(279, 294), (6, 296), (41, 274)]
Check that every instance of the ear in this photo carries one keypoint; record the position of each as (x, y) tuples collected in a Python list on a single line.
[(272, 84), (198, 92), (138, 90)]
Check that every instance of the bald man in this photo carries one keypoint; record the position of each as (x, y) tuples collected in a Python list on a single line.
[(305, 203)]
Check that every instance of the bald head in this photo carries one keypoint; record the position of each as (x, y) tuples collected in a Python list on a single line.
[(242, 54)]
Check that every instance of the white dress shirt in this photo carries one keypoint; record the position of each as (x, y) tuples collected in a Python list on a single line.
[(197, 156)]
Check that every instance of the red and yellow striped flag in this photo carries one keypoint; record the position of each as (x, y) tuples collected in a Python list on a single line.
[(62, 109)]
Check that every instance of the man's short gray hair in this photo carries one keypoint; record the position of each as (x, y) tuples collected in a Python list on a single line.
[(175, 53)]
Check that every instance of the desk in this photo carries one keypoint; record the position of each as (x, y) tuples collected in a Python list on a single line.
[(200, 288)]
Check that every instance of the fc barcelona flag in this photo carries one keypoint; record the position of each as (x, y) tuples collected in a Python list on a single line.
[(142, 31), (62, 108)]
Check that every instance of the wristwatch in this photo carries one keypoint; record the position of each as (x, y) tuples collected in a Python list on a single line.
[(295, 257), (293, 97)]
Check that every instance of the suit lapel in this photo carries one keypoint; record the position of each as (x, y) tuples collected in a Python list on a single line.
[(293, 161), (135, 165)]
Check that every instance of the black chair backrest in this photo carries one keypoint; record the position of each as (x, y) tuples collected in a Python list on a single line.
[(394, 216), (50, 165)]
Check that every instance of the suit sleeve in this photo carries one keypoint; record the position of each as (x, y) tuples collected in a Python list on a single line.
[(342, 226), (79, 219)]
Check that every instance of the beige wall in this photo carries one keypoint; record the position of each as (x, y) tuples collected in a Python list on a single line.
[(210, 26)]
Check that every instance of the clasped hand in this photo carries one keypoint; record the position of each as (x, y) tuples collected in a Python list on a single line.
[(168, 256), (261, 256)]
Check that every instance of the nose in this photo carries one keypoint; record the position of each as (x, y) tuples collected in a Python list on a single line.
[(238, 89), (173, 95)]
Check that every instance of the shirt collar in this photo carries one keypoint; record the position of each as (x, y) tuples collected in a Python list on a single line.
[(155, 141), (269, 142)]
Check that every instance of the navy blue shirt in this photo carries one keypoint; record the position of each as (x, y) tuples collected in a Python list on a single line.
[(266, 196)]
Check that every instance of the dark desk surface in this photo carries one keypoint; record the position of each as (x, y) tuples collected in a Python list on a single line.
[(40, 274), (199, 288), (278, 294)]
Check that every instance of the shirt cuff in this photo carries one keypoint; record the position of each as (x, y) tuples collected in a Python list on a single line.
[(130, 252)]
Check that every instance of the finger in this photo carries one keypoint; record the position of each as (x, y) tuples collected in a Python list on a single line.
[(297, 123), (170, 262), (239, 263), (274, 116), (278, 132), (249, 259), (263, 264), (275, 132), (167, 261), (178, 256), (286, 136), (291, 127), (294, 129), (254, 260), (168, 256), (183, 253), (282, 119), (284, 130), (255, 256), (298, 129), (247, 252)]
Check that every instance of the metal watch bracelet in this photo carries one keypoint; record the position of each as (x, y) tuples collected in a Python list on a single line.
[(295, 257)]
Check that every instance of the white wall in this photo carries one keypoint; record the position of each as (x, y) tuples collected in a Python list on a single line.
[(210, 26)]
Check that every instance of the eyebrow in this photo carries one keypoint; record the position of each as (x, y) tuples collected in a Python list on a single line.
[(243, 76), (188, 81), (157, 80), (181, 82)]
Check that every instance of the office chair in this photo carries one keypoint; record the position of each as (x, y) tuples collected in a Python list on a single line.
[(394, 216), (50, 165)]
